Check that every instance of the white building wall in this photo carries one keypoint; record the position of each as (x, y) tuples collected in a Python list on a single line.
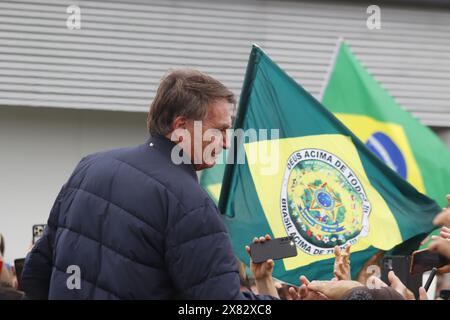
[(117, 57), (39, 148)]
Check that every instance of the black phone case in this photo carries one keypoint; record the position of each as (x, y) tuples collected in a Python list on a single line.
[(401, 266), (275, 249), (425, 261)]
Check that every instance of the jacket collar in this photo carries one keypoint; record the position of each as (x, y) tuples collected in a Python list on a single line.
[(165, 147)]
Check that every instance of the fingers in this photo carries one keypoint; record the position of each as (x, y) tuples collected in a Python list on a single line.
[(337, 271), (434, 244), (342, 263), (374, 259), (303, 292), (346, 259), (373, 282), (444, 269), (377, 257), (294, 293), (422, 294), (337, 275), (304, 280), (262, 239), (318, 286), (445, 233), (442, 218), (427, 238), (393, 279), (345, 254), (409, 295), (347, 250), (341, 273), (337, 251), (440, 245), (247, 249), (343, 269), (398, 285)]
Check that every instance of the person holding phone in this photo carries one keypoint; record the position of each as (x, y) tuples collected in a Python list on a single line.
[(8, 281), (441, 243), (262, 272), (354, 290), (441, 246)]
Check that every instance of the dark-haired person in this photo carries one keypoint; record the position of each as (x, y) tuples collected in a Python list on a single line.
[(8, 281), (2, 245), (133, 223), (354, 290)]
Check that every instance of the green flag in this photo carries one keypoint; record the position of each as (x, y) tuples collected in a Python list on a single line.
[(211, 179), (298, 171), (392, 133)]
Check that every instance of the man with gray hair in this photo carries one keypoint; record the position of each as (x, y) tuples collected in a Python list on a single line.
[(134, 223)]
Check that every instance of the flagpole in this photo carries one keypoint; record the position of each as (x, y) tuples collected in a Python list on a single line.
[(229, 167), (330, 67)]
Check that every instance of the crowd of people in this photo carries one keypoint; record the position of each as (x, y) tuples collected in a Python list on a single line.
[(367, 285), (133, 223), (8, 278), (258, 280)]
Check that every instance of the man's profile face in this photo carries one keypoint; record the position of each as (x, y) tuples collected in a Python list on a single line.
[(206, 147)]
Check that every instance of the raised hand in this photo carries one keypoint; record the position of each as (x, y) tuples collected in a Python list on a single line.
[(341, 269), (304, 293), (443, 218), (262, 272)]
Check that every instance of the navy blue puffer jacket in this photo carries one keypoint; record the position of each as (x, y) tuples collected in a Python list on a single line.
[(138, 227)]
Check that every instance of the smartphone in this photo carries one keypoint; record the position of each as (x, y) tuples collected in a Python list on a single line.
[(401, 267), (430, 279), (38, 231), (18, 266), (424, 260), (274, 249)]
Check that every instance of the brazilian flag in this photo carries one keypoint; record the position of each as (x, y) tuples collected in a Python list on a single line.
[(311, 178), (392, 133), (411, 149)]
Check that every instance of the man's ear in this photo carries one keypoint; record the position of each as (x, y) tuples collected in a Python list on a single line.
[(179, 123)]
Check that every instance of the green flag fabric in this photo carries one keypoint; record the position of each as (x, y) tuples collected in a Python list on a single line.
[(211, 179), (392, 133), (307, 176)]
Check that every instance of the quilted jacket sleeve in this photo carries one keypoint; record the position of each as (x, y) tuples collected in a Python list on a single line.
[(38, 264), (200, 258)]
